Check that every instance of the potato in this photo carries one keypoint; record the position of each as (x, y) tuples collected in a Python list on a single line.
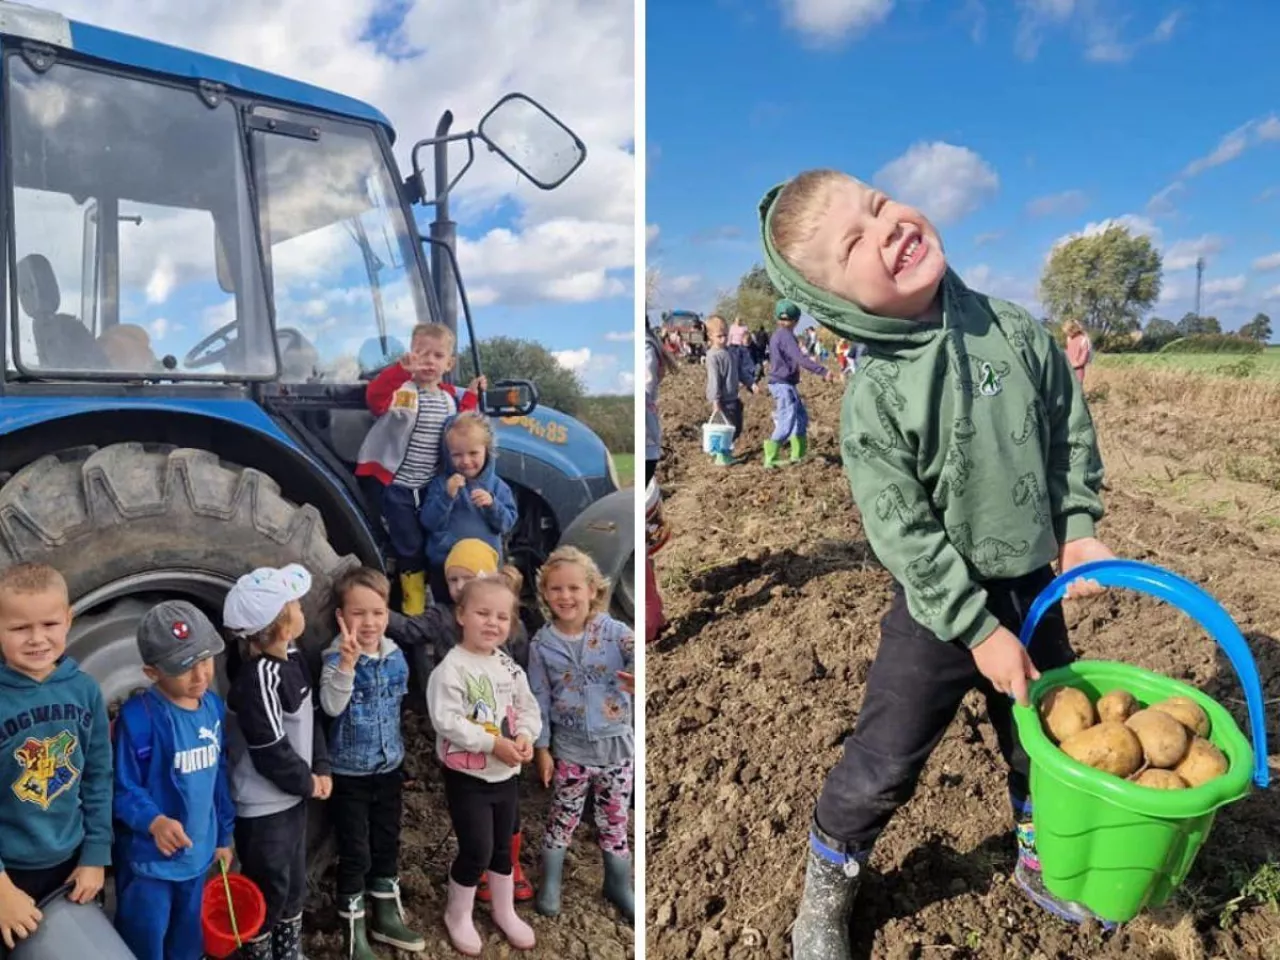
[(1118, 705), (1187, 712), (1203, 762), (1164, 740), (1158, 779), (1065, 711), (1110, 747)]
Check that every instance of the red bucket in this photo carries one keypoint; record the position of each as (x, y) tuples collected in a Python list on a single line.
[(215, 917)]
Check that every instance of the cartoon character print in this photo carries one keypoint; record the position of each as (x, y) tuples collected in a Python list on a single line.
[(482, 710), (48, 770)]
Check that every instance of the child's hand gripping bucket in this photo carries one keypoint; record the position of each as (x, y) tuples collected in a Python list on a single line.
[(1106, 843), (717, 437), (231, 913), (71, 930)]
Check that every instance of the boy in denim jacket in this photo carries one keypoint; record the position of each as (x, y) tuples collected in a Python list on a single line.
[(364, 679), (173, 808)]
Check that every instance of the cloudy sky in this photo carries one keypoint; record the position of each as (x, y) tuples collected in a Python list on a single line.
[(1011, 123), (554, 267)]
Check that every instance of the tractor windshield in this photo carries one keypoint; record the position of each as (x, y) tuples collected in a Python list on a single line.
[(133, 252), (343, 271)]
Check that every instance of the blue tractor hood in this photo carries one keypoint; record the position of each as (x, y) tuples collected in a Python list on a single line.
[(557, 439)]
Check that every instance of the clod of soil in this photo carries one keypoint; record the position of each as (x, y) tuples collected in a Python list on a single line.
[(775, 599)]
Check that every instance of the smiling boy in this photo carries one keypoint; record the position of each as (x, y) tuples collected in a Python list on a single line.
[(974, 465)]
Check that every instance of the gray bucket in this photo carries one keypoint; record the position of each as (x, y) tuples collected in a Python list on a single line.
[(68, 930)]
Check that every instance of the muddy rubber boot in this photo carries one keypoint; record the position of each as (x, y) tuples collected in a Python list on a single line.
[(548, 902), (524, 887), (799, 447), (518, 933), (1029, 880), (617, 884), (770, 454), (355, 941), (726, 460), (286, 939), (386, 921), (413, 590), (458, 920), (259, 949), (831, 879)]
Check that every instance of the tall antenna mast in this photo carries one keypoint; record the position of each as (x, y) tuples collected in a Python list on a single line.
[(1199, 280)]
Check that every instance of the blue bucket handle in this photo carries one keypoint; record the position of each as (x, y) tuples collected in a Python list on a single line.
[(1191, 600)]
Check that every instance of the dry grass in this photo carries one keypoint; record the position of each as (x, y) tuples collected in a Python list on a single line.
[(1248, 398)]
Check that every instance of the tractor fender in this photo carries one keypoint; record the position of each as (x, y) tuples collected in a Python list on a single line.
[(606, 531)]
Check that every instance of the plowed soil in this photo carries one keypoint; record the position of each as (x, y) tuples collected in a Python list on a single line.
[(774, 603)]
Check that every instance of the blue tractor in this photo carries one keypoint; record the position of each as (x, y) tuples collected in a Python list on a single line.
[(205, 265)]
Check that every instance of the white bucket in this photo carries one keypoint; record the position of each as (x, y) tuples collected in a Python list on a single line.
[(717, 437)]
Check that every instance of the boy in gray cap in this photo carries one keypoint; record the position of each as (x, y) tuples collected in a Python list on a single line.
[(786, 359), (172, 807)]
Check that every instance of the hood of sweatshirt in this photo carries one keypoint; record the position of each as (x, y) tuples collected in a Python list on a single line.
[(65, 671), (487, 472)]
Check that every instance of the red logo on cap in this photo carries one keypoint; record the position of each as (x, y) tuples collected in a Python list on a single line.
[(180, 629)]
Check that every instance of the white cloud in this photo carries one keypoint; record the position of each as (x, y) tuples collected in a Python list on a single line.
[(1091, 22), (824, 22), (683, 284), (1272, 294), (1004, 286), (1067, 203), (573, 360), (1226, 285), (1257, 131), (620, 336), (944, 181), (600, 373), (1270, 262), (575, 56), (1183, 254), (1134, 223), (1161, 203)]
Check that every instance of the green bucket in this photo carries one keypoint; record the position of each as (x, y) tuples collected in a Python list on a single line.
[(1103, 842)]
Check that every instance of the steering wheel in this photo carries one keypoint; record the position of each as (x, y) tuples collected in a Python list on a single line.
[(203, 354)]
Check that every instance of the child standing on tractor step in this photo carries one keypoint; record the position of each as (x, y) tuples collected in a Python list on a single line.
[(173, 809), (974, 465), (364, 679), (786, 360), (725, 373), (467, 499), (276, 750), (486, 720), (580, 667), (55, 756), (402, 449)]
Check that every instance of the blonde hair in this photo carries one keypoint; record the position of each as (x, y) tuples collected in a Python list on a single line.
[(433, 331), (716, 325), (596, 580), (797, 213), (500, 579), (1070, 328), (30, 578), (366, 577), (469, 421)]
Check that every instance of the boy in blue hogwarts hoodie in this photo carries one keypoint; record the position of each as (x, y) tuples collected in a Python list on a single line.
[(467, 499), (173, 805), (55, 755)]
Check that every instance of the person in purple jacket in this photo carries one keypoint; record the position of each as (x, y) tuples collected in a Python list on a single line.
[(790, 418)]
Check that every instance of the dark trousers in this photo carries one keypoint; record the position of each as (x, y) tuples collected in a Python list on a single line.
[(366, 823), (733, 413), (273, 854), (650, 468), (400, 510), (484, 819), (913, 692), (439, 585)]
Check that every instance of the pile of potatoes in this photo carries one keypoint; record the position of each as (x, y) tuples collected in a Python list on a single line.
[(1162, 746)]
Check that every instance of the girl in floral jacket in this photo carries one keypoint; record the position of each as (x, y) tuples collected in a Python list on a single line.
[(580, 667)]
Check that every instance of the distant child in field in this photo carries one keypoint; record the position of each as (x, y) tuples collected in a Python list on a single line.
[(1079, 348), (580, 667), (173, 808), (55, 755), (967, 510), (402, 449), (486, 721), (276, 750), (467, 499), (725, 374), (362, 683), (786, 360)]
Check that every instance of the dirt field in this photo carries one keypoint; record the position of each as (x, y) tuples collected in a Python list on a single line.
[(774, 602), (588, 928)]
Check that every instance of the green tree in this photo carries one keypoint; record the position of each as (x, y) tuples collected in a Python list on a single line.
[(1190, 325), (1105, 281), (1159, 330), (507, 358), (753, 299), (1259, 328)]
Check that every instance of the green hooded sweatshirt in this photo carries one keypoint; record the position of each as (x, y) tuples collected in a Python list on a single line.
[(970, 450)]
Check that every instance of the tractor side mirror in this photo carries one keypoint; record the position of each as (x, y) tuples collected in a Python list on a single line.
[(509, 398), (532, 139)]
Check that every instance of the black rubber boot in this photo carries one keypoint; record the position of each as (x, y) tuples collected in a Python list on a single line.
[(831, 879)]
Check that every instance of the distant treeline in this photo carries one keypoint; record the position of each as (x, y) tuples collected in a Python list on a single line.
[(613, 418)]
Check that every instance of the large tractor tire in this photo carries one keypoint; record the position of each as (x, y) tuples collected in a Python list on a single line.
[(130, 524), (605, 531)]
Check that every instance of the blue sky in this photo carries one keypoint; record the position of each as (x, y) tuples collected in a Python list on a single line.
[(1012, 123), (554, 267)]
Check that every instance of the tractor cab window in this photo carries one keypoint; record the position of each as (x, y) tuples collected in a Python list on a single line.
[(343, 274), (132, 248)]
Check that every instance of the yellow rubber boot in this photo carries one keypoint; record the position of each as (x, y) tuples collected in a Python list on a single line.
[(413, 586)]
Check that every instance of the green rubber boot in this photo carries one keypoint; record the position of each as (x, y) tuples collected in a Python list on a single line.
[(770, 454), (548, 901), (799, 447), (727, 460), (386, 921), (617, 884), (355, 940)]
